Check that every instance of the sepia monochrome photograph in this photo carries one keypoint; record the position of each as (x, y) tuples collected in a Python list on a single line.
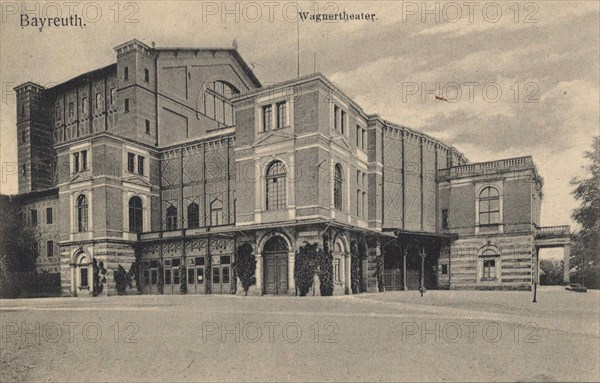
[(300, 191)]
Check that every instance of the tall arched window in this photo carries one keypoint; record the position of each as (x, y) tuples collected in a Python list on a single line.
[(216, 101), (135, 214), (276, 184), (337, 187), (171, 218), (489, 206), (82, 213), (193, 215), (216, 213)]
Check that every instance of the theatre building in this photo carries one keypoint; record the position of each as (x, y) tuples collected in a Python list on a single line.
[(174, 158)]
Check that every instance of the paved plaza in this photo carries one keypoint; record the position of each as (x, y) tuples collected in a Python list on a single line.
[(394, 336)]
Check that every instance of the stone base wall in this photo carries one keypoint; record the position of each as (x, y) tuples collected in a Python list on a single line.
[(513, 257)]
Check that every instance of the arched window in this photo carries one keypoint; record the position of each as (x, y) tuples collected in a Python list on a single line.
[(82, 213), (193, 215), (275, 244), (276, 183), (135, 214), (489, 206), (216, 101), (216, 213), (337, 187), (171, 218)]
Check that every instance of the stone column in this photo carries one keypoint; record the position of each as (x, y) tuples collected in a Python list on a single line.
[(348, 273), (259, 274), (291, 281), (567, 264)]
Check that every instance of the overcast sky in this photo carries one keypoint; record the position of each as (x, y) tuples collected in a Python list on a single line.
[(542, 56)]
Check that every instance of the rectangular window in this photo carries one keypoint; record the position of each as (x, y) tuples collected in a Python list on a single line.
[(489, 269), (98, 100), (225, 274), (216, 277), (126, 74), (146, 277), (364, 140), (444, 269), (267, 117), (75, 162), (167, 276), (147, 126), (200, 274), (130, 162), (146, 75), (126, 105), (190, 276), (71, 109), (154, 275), (84, 105), (445, 224), (343, 122), (176, 276), (49, 249), (140, 164), (358, 137), (49, 218), (335, 117), (113, 95), (281, 115), (84, 160), (84, 277), (34, 218)]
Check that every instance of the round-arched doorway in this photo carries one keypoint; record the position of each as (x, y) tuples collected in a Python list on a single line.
[(275, 254)]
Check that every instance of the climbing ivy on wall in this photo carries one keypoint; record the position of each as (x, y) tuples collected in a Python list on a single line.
[(207, 275), (305, 267), (161, 275), (183, 288), (355, 268), (326, 269), (379, 274)]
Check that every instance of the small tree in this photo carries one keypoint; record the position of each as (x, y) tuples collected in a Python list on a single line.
[(586, 243), (122, 280), (245, 266)]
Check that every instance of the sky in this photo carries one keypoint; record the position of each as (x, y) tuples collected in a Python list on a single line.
[(513, 78)]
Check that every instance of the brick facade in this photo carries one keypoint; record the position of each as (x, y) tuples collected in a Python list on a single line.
[(174, 157)]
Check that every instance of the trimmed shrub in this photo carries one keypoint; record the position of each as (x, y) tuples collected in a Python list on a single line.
[(245, 266), (99, 277), (122, 280)]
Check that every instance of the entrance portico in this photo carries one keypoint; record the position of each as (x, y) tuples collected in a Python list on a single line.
[(551, 237)]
